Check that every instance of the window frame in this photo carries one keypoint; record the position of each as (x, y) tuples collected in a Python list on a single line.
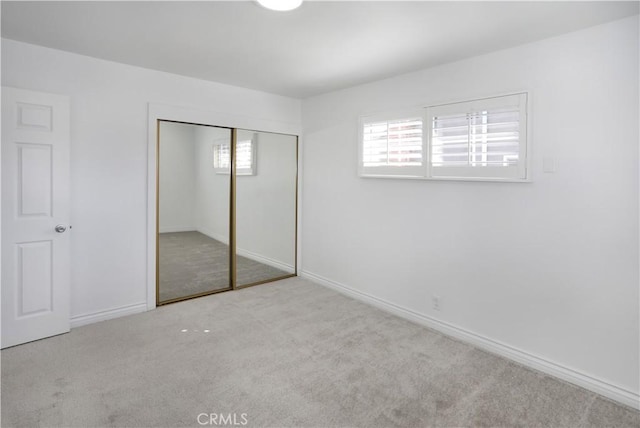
[(518, 174)]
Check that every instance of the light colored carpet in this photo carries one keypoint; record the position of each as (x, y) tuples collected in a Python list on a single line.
[(192, 263), (286, 354)]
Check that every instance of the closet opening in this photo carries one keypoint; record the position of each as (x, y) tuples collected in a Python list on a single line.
[(226, 209)]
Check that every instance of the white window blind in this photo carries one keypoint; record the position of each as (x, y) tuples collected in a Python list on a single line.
[(396, 142), (481, 138), (485, 138), (244, 155), (391, 147), (222, 156)]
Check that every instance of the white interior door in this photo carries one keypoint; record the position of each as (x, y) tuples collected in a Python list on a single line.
[(35, 216)]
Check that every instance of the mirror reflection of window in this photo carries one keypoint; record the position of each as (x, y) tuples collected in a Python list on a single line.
[(221, 157), (245, 156)]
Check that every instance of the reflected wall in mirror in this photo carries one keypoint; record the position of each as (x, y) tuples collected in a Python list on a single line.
[(193, 212), (266, 205)]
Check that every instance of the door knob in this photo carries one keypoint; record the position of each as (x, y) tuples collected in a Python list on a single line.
[(61, 228)]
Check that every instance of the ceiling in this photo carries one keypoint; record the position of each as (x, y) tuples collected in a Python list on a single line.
[(320, 47)]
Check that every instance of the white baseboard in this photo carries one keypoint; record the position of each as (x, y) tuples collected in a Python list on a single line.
[(584, 380), (172, 229), (80, 320), (265, 260)]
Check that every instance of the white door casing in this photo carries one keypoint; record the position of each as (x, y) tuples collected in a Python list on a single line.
[(35, 199)]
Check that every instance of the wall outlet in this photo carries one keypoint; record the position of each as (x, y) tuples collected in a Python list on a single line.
[(435, 302)]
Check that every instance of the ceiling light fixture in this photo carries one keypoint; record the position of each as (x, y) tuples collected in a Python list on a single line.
[(280, 5)]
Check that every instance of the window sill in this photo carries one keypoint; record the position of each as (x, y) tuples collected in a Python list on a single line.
[(414, 177)]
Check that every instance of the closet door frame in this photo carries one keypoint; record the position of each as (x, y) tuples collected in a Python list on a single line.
[(196, 116)]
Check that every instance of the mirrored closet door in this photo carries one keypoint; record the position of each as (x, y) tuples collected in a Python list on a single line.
[(265, 196), (193, 212), (226, 209)]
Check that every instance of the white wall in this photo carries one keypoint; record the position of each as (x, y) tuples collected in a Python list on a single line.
[(550, 268), (177, 180), (109, 103)]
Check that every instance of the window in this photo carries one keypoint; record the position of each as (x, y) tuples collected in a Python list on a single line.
[(484, 139), (222, 157), (392, 146), (245, 157), (475, 140)]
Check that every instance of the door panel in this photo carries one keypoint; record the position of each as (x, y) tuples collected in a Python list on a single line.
[(34, 279), (34, 180), (265, 215), (35, 198), (193, 211)]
